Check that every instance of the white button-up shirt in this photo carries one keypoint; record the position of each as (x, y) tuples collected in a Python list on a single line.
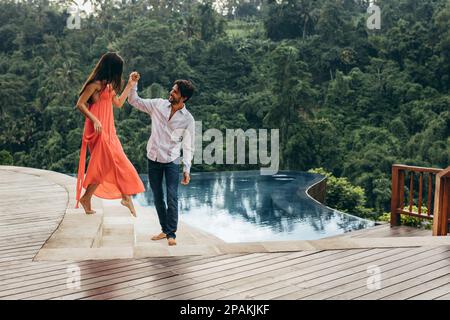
[(167, 136)]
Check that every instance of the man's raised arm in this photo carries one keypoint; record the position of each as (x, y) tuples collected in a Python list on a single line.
[(144, 105)]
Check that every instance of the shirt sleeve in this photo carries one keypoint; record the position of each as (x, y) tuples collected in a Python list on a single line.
[(188, 146), (144, 105)]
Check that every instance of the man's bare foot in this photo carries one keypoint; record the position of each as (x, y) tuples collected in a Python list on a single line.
[(129, 204), (160, 236), (86, 204)]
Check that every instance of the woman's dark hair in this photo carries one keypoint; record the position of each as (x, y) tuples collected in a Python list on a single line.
[(186, 88), (108, 70)]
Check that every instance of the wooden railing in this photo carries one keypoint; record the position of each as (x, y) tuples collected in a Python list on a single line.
[(442, 203), (422, 197)]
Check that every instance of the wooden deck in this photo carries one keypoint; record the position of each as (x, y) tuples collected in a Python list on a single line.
[(31, 207)]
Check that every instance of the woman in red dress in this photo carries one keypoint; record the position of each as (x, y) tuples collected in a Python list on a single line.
[(110, 175)]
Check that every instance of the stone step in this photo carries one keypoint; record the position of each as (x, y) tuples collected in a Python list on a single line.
[(118, 226), (161, 249), (80, 254), (77, 230), (117, 241), (143, 236), (116, 210)]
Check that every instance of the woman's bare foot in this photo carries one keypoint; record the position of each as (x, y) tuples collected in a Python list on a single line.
[(86, 204), (129, 204)]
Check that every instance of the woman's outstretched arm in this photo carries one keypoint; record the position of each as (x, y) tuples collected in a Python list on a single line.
[(82, 106), (119, 101)]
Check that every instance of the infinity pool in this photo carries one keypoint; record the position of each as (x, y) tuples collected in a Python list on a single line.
[(245, 206)]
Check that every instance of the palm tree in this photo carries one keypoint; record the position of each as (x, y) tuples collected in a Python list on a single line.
[(309, 15), (190, 26)]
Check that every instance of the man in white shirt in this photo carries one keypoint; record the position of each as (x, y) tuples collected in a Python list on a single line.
[(173, 128)]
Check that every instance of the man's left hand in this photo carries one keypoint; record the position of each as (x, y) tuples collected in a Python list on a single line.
[(186, 178)]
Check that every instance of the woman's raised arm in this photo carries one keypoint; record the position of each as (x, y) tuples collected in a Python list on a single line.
[(119, 101)]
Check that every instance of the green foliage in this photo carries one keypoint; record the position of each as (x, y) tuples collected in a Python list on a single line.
[(343, 196), (6, 158), (410, 220)]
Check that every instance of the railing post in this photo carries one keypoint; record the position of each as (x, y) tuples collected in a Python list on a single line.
[(441, 203), (395, 200)]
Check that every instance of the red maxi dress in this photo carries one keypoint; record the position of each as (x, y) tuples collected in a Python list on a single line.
[(108, 166)]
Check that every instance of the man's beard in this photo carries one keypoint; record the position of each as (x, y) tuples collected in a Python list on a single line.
[(172, 100)]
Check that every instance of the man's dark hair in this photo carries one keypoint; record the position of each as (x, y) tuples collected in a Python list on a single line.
[(186, 88)]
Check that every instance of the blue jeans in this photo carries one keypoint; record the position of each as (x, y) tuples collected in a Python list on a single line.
[(168, 215)]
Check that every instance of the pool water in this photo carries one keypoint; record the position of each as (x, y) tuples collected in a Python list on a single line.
[(245, 207)]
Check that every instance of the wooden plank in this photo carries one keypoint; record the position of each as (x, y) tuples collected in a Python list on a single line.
[(131, 296), (39, 268), (29, 225), (307, 281), (441, 203), (26, 232), (27, 218), (401, 189), (19, 245), (106, 295), (59, 288), (401, 231), (411, 191), (101, 269), (267, 282), (444, 297), (339, 282), (87, 274), (110, 290), (126, 280), (10, 221), (395, 217), (177, 281), (361, 232), (395, 276), (168, 282), (356, 283), (417, 169), (430, 190), (37, 196), (416, 278), (25, 242), (31, 251), (440, 289), (188, 289), (51, 274), (203, 280), (419, 204), (296, 279), (93, 281)]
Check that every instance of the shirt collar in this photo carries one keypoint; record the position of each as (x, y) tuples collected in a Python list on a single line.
[(182, 110)]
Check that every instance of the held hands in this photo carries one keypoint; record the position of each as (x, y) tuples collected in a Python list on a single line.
[(186, 178), (134, 78)]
